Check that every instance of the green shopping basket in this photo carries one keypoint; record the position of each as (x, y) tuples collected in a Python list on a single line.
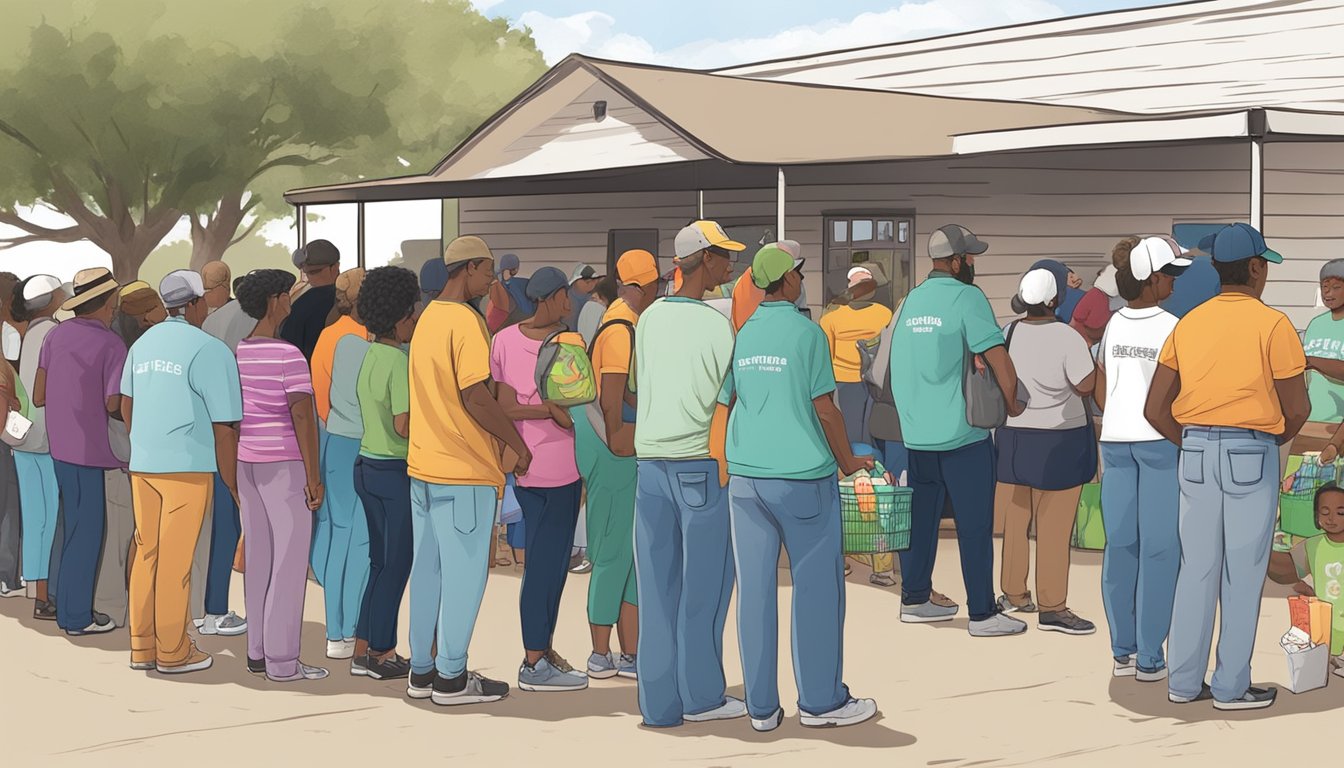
[(877, 525)]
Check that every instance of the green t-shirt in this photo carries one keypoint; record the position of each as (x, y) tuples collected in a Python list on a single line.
[(939, 321), (22, 395), (1325, 338), (384, 391), (781, 362), (682, 351), (1323, 560)]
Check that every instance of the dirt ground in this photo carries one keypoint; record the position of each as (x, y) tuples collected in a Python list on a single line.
[(946, 699)]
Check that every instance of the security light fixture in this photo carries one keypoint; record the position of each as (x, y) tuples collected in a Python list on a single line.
[(599, 111)]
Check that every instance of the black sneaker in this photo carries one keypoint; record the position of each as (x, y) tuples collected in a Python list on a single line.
[(421, 685), (1253, 698), (101, 623), (1205, 693), (359, 665), (256, 666), (467, 688), (1065, 621), (393, 667), (44, 611)]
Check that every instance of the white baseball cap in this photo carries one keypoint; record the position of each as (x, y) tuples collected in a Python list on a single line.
[(1037, 287), (1157, 254), (40, 285), (699, 235), (181, 287)]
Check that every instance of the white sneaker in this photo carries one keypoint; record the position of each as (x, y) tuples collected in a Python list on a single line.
[(1124, 667), (768, 724), (228, 625), (854, 711), (729, 710), (18, 591), (998, 625), (341, 649)]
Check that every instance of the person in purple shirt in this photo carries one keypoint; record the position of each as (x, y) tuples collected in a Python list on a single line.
[(79, 382)]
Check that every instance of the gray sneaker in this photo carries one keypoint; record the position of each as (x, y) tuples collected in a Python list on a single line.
[(228, 625), (625, 666), (997, 625), (601, 667), (927, 613), (1008, 606), (547, 677), (1253, 698)]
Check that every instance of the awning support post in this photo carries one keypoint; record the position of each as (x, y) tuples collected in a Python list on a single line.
[(359, 226), (700, 205), (779, 207), (1256, 126), (301, 224)]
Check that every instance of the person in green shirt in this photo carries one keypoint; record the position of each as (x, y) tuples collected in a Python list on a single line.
[(1322, 558), (944, 325), (387, 305), (1323, 343)]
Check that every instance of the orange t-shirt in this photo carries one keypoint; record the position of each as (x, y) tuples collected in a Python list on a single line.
[(323, 354), (612, 348), (746, 298)]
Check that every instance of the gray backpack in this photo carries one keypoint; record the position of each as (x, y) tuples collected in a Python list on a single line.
[(985, 407)]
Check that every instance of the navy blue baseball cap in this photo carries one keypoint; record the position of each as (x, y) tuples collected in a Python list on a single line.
[(1238, 242)]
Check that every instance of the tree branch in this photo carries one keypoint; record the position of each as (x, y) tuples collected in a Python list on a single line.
[(246, 233), (292, 160)]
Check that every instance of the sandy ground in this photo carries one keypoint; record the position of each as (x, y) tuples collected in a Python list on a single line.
[(946, 699)]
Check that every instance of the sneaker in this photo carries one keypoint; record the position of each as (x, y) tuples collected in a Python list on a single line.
[(626, 667), (420, 685), (854, 711), (1008, 606), (1253, 698), (602, 666), (1124, 666), (1065, 621), (359, 665), (580, 564), (7, 591), (1205, 693), (101, 623), (142, 666), (44, 611), (1145, 675), (730, 709), (926, 613), (197, 661), (561, 664), (768, 724), (228, 625), (997, 625), (305, 673), (467, 688), (545, 676), (882, 580), (393, 667), (341, 649), (256, 666)]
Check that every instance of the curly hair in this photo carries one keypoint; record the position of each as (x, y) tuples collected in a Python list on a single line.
[(388, 296), (1129, 286), (259, 286)]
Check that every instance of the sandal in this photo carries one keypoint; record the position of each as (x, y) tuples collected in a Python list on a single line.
[(941, 600), (882, 580)]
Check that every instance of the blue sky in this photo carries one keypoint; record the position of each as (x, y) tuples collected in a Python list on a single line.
[(710, 33)]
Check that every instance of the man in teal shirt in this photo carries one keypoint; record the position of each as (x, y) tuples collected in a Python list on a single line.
[(943, 322), (785, 436)]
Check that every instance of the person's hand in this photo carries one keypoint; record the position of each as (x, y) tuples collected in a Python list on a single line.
[(1303, 588), (979, 362), (1329, 453), (523, 464), (560, 416), (313, 494), (1287, 485), (233, 491), (852, 465), (623, 442), (1016, 408)]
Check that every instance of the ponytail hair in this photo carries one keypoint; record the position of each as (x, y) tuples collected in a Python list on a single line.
[(1129, 287)]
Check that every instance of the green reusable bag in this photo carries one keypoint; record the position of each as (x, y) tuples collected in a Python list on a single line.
[(1089, 532)]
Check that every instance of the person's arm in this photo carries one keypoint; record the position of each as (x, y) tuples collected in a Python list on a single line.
[(114, 407), (1288, 365), (1296, 406), (126, 409), (401, 424), (226, 456), (1161, 396), (1099, 388), (833, 426), (508, 401), (486, 411), (1281, 568), (1080, 368), (40, 388), (1001, 365), (304, 417), (1331, 369), (620, 435)]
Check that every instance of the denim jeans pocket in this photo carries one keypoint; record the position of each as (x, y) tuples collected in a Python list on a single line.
[(1192, 465), (804, 502), (1246, 466), (463, 516), (693, 488)]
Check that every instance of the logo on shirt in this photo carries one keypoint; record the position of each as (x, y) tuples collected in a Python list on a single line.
[(1122, 351), (1331, 348), (923, 323), (158, 366), (766, 363)]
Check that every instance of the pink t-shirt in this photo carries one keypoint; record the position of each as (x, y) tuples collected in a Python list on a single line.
[(513, 361), (270, 370)]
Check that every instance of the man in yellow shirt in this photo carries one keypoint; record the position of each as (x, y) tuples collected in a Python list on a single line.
[(457, 473), (851, 318), (1229, 391)]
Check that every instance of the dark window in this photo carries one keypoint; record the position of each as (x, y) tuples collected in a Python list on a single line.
[(621, 240)]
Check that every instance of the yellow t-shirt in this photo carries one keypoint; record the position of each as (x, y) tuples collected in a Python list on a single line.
[(450, 353), (324, 352), (1228, 352), (611, 352), (844, 327)]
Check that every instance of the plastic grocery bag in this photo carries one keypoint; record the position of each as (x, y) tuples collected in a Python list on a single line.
[(1089, 531), (564, 374)]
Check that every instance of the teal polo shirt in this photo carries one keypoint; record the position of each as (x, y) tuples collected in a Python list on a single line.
[(781, 363), (941, 323), (181, 381)]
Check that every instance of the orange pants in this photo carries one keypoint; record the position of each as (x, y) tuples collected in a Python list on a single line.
[(168, 513)]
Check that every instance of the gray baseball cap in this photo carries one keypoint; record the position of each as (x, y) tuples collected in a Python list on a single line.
[(954, 240), (181, 287), (545, 283)]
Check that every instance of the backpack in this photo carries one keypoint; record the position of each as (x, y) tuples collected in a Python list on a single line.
[(594, 409), (564, 374), (884, 422)]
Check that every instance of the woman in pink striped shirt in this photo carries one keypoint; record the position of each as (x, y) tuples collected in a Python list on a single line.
[(279, 483)]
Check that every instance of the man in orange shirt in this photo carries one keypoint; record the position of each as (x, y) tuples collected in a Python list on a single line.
[(747, 297)]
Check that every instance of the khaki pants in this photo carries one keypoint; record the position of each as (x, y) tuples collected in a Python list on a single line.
[(110, 592), (882, 562), (1054, 513), (168, 513)]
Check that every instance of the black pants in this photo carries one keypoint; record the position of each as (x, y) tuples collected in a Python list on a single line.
[(550, 516), (384, 488)]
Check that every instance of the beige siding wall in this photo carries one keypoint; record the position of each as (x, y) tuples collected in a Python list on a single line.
[(1304, 220)]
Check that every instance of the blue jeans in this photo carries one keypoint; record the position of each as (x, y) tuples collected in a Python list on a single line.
[(385, 496), (346, 572), (1140, 502), (965, 476), (684, 574), (551, 515), (803, 515), (39, 501), (1229, 482), (894, 457), (225, 526), (85, 500), (450, 529), (321, 548)]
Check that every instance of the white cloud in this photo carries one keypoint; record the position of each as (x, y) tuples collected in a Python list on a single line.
[(595, 33), (485, 5)]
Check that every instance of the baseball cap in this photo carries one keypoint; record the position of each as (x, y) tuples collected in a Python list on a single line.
[(637, 267), (1038, 286), (858, 275), (1157, 254), (699, 235), (38, 286), (584, 272), (467, 248), (319, 253), (508, 261), (545, 283), (180, 287), (215, 274), (954, 240), (1238, 242), (433, 276), (1333, 268), (771, 263)]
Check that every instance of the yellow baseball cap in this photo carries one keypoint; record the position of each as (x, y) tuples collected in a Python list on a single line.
[(699, 235)]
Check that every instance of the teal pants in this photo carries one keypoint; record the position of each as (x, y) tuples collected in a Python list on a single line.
[(610, 481)]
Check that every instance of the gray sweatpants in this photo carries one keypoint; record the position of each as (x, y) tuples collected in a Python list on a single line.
[(11, 523), (110, 593)]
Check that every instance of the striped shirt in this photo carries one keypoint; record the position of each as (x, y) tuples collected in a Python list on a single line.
[(270, 370)]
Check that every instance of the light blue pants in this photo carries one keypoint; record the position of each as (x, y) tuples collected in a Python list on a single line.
[(1140, 502), (39, 501), (1229, 495), (684, 575), (803, 515), (317, 556), (451, 528), (347, 568)]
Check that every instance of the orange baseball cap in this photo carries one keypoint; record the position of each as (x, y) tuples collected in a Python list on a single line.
[(637, 267)]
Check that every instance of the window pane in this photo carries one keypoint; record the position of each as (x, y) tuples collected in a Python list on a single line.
[(885, 230), (838, 259), (903, 232), (840, 231), (337, 223), (863, 230), (404, 234)]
